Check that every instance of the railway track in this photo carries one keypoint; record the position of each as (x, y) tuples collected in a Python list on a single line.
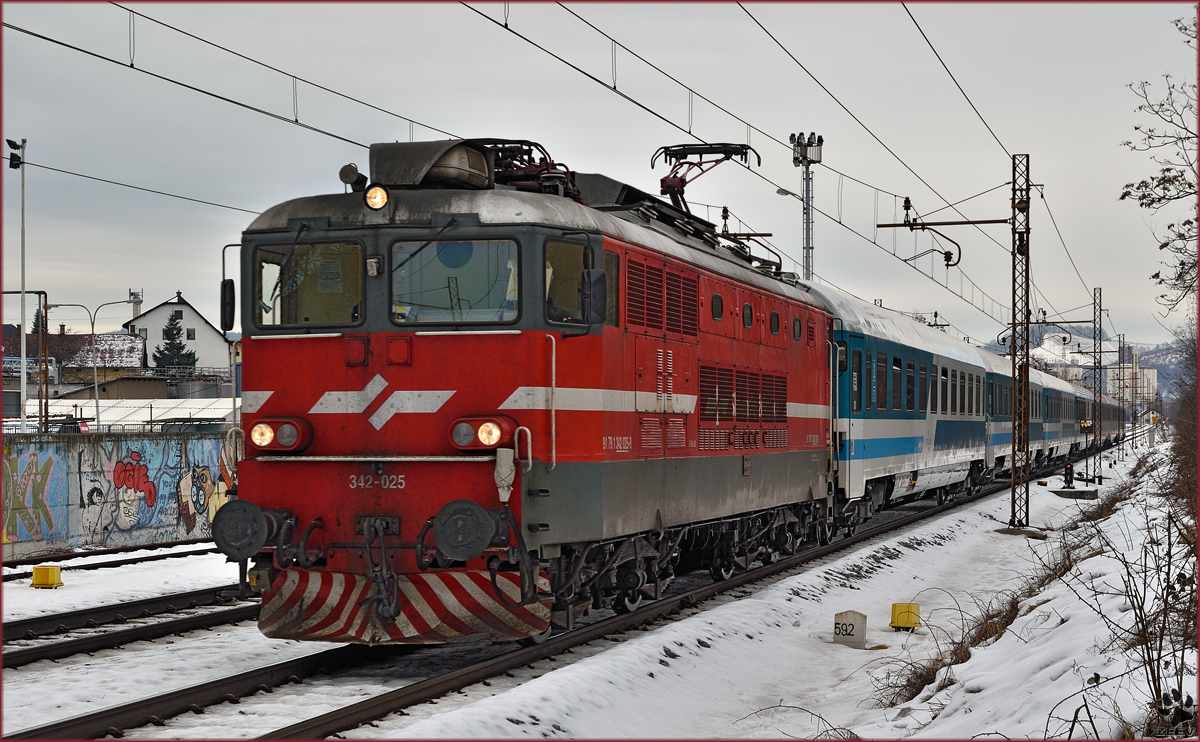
[(60, 623), (155, 710), (115, 562), (50, 649)]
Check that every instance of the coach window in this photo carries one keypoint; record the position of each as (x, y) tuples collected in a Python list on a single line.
[(991, 409), (881, 381), (962, 393), (897, 383), (458, 281), (933, 390), (910, 395), (718, 308), (945, 390), (308, 285), (923, 382), (747, 316), (869, 379), (774, 323), (953, 391), (855, 378)]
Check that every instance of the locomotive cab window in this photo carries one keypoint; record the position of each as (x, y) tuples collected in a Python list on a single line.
[(563, 268), (454, 281), (308, 285)]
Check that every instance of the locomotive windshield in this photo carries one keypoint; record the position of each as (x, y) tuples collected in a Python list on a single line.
[(454, 281), (302, 285)]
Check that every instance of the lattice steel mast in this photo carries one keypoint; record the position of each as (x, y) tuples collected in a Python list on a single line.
[(1019, 343)]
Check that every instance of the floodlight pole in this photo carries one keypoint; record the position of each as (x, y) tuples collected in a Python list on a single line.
[(805, 153), (95, 356), (24, 328)]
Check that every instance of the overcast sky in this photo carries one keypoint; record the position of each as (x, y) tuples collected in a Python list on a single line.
[(1049, 79)]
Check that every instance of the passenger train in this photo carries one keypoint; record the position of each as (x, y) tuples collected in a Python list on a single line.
[(484, 394)]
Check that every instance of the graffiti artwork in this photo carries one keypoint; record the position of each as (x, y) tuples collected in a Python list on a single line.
[(35, 493), (121, 490)]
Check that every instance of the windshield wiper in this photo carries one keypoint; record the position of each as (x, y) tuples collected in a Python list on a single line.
[(428, 242)]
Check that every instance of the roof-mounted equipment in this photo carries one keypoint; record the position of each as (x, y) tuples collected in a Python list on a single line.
[(685, 170)]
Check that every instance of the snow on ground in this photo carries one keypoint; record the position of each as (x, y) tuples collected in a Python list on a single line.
[(96, 587), (759, 663), (764, 665)]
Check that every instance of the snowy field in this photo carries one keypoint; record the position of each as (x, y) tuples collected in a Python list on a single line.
[(761, 663)]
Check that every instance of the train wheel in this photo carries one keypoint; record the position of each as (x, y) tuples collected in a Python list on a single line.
[(627, 602), (721, 570), (941, 496), (787, 544), (824, 533)]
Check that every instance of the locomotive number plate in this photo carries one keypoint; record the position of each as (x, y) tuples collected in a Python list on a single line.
[(384, 481)]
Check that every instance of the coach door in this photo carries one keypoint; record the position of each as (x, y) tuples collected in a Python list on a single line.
[(855, 385)]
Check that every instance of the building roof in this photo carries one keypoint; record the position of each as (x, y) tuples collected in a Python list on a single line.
[(176, 300), (112, 351), (128, 411)]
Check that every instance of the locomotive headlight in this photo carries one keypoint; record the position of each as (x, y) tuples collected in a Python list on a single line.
[(463, 433), (489, 434), (262, 435), (287, 435), (376, 197)]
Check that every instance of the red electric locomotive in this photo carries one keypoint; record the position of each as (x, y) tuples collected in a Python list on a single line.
[(483, 393)]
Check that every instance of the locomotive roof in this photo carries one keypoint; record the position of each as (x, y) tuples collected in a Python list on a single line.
[(502, 206)]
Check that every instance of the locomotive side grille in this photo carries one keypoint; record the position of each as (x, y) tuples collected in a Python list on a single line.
[(690, 289), (774, 399), (775, 438), (652, 434), (654, 297), (743, 439), (674, 303), (708, 394), (676, 433), (713, 440), (635, 294), (748, 397), (724, 394)]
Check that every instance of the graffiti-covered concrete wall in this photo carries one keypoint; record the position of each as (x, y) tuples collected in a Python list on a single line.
[(66, 491)]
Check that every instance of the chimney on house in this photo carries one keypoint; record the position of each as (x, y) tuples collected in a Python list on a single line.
[(135, 298), (62, 328)]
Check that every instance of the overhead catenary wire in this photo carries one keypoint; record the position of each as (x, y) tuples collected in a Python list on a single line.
[(295, 78), (140, 188), (181, 84), (744, 166), (706, 99), (952, 78)]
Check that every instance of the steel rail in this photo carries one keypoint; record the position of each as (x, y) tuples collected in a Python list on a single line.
[(52, 650), (154, 710), (118, 562), (375, 708), (102, 552), (29, 628)]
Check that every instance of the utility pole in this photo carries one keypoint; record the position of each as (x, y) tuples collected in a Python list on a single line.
[(1019, 343), (1097, 355), (17, 160), (1019, 338), (1121, 390)]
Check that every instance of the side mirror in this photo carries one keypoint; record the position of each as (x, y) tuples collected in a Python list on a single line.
[(228, 304), (593, 295)]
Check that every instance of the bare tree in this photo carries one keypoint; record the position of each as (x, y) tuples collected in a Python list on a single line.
[(1171, 141)]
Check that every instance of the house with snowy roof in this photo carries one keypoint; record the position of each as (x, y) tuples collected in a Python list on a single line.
[(199, 335)]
